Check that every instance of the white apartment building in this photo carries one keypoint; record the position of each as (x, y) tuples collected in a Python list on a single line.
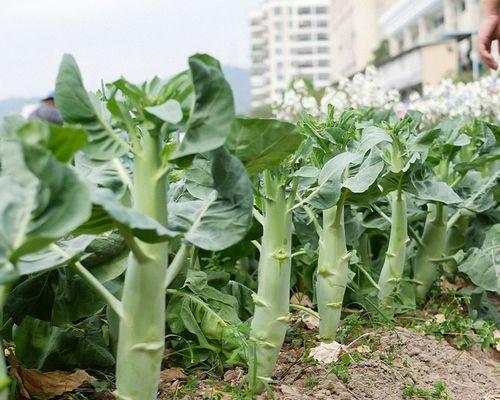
[(357, 34), (289, 38), (430, 40)]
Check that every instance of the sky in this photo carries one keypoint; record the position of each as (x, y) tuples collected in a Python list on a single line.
[(110, 38)]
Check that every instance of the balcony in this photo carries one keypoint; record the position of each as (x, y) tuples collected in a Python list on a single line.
[(406, 12)]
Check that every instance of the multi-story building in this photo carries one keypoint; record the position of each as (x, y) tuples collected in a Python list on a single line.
[(430, 40), (289, 38), (357, 34)]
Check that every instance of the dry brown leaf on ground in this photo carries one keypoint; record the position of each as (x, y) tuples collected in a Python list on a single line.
[(496, 336), (311, 322), (172, 375), (327, 352), (301, 299), (47, 385), (363, 348), (234, 376)]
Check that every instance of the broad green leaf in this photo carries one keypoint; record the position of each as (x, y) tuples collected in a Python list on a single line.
[(180, 88), (77, 107), (62, 141), (372, 136), (432, 190), (327, 193), (103, 248), (58, 296), (478, 191), (170, 111), (45, 347), (10, 125), (244, 298), (48, 259), (224, 215), (114, 175), (46, 199), (483, 265), (213, 112), (205, 312), (366, 175), (141, 226), (199, 180), (262, 143)]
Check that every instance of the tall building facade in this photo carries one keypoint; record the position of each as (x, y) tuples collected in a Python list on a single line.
[(357, 34), (289, 38), (430, 40)]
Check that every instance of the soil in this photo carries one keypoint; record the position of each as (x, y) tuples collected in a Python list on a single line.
[(387, 365)]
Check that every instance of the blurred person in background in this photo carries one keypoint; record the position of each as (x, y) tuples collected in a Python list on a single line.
[(489, 32), (47, 111)]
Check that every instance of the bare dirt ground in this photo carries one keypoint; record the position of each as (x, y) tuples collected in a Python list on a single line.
[(385, 365)]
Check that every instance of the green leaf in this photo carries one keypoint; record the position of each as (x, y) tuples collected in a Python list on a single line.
[(327, 193), (77, 107), (141, 226), (10, 125), (262, 143), (222, 217), (170, 111), (483, 265), (205, 312), (45, 202), (372, 136), (432, 190), (62, 141), (48, 259), (45, 347), (478, 191), (213, 112), (114, 175), (366, 175)]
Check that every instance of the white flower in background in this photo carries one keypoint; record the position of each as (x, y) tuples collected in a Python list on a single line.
[(481, 97)]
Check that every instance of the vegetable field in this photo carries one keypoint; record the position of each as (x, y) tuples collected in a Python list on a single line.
[(156, 245)]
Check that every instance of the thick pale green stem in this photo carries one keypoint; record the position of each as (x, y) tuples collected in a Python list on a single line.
[(455, 240), (142, 329), (270, 319), (392, 270), (332, 271), (425, 271)]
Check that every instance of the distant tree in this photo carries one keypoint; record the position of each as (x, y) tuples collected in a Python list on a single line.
[(381, 52)]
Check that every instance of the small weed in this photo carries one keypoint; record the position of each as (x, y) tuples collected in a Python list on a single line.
[(341, 368), (311, 381), (439, 392), (451, 322)]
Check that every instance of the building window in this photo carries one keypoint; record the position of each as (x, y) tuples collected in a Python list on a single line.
[(462, 6), (322, 36), (305, 24), (277, 11), (437, 21), (323, 50), (302, 64), (301, 37), (303, 50), (322, 23), (321, 10), (278, 51), (304, 10), (323, 63), (278, 25), (278, 38), (324, 77)]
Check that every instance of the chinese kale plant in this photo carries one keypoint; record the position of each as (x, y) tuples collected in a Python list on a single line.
[(145, 135)]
